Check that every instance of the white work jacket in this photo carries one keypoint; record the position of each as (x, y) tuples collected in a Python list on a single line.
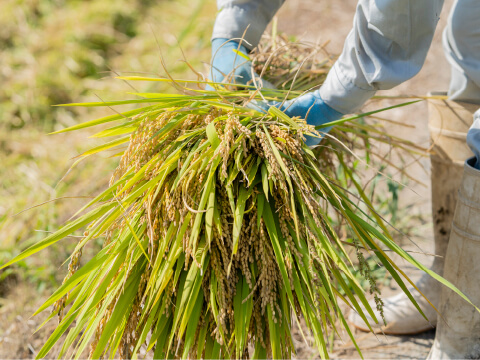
[(387, 45)]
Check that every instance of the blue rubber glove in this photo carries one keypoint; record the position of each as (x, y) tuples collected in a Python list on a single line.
[(226, 61), (310, 107), (473, 138)]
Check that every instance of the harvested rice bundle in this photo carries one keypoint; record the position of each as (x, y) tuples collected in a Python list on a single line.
[(218, 236), (291, 65)]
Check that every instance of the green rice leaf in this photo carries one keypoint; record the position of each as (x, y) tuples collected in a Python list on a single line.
[(103, 120), (212, 135), (241, 54), (62, 233)]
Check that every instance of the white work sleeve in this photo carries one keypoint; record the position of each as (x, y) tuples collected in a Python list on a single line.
[(236, 16), (387, 46), (461, 42)]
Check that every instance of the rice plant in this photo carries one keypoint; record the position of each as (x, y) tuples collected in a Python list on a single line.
[(218, 235)]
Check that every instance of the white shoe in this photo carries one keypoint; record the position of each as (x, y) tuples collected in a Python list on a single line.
[(401, 316)]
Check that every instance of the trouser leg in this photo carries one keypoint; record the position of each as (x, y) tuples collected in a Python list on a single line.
[(458, 333)]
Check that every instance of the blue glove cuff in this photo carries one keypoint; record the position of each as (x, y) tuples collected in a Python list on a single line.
[(225, 60), (226, 44)]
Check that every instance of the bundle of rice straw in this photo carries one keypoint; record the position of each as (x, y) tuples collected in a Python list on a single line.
[(218, 233)]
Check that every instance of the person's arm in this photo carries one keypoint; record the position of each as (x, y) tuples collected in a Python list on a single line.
[(236, 16), (387, 46), (236, 20)]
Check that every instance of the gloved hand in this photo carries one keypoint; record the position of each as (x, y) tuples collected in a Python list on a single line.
[(473, 138), (225, 62), (310, 107)]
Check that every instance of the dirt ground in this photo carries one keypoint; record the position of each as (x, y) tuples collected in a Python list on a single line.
[(312, 20)]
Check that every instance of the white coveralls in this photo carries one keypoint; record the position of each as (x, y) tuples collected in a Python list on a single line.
[(387, 46)]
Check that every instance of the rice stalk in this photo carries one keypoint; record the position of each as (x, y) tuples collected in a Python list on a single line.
[(219, 234)]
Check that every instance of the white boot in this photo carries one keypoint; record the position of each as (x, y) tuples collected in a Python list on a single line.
[(401, 316), (449, 122), (459, 336)]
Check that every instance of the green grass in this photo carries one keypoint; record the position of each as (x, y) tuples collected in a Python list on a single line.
[(52, 50), (55, 52)]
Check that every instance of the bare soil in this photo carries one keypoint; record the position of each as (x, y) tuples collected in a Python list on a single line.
[(18, 339)]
